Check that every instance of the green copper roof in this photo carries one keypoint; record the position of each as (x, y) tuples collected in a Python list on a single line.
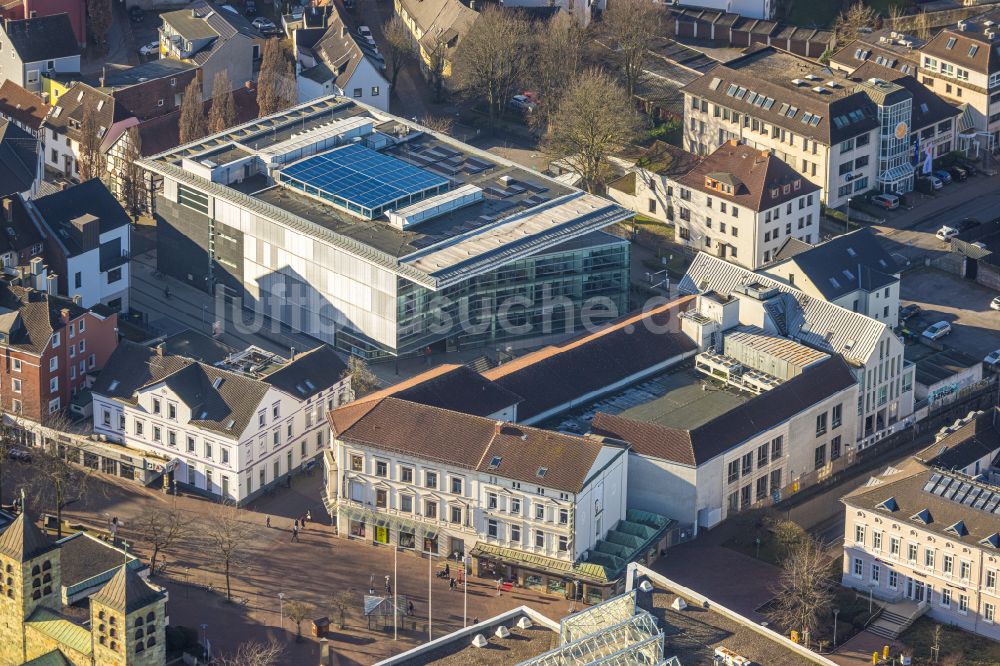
[(126, 591), (61, 630), (54, 658), (23, 540)]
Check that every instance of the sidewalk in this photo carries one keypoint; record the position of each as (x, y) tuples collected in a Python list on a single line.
[(924, 208)]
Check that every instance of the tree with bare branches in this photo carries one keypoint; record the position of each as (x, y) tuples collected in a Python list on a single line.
[(435, 64), (363, 380), (298, 612), (131, 176), (276, 83), (398, 47), (851, 22), (93, 162), (222, 115), (340, 606), (58, 479), (253, 653), (632, 25), (192, 120), (229, 537), (921, 27), (805, 587), (493, 59), (101, 15), (594, 120), (558, 58), (161, 528), (440, 124)]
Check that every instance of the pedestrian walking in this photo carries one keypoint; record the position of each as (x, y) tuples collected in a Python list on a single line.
[(303, 522), (409, 608), (309, 515), (267, 521), (475, 620), (451, 584), (499, 585), (447, 570), (295, 533), (296, 524)]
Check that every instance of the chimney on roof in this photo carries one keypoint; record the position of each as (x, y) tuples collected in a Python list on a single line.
[(8, 210), (194, 13), (160, 348), (291, 354), (51, 284), (64, 315), (88, 226), (497, 427), (104, 74)]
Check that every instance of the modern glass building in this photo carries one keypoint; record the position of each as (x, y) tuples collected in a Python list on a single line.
[(894, 107), (382, 238)]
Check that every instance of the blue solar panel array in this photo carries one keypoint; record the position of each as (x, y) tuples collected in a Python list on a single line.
[(363, 176)]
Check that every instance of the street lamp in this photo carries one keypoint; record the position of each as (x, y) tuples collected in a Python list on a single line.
[(281, 609), (871, 589), (836, 612), (847, 225), (204, 640)]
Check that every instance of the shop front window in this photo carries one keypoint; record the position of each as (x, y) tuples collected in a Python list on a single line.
[(557, 586), (381, 534), (407, 540), (533, 582), (430, 544), (357, 528)]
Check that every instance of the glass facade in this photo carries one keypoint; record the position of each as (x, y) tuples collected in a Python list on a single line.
[(575, 283), (895, 168)]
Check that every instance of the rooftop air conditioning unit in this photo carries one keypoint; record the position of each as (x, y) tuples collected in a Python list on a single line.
[(962, 25)]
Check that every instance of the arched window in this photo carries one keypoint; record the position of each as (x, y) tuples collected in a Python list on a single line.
[(150, 617), (138, 634), (10, 581), (151, 641), (36, 595), (46, 565), (10, 569), (101, 628), (10, 593), (35, 570), (100, 615), (139, 647), (114, 646), (36, 583), (102, 640), (113, 620), (47, 589), (113, 632), (47, 578), (138, 621)]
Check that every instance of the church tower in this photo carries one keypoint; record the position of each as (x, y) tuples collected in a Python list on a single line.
[(29, 579), (128, 622)]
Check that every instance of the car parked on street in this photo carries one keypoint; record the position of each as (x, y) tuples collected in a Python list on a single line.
[(946, 233), (995, 303), (958, 173), (937, 331), (250, 8), (992, 360), (885, 200), (933, 181), (136, 15), (149, 49), (943, 176), (265, 25)]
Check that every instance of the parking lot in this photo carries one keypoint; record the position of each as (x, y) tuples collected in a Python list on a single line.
[(962, 303)]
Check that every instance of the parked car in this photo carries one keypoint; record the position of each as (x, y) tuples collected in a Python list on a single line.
[(958, 173), (967, 223), (887, 201), (265, 25), (136, 15), (908, 311), (934, 181), (970, 168), (522, 103), (365, 32), (937, 331), (250, 7), (943, 176), (17, 453), (149, 49), (946, 233), (992, 359), (995, 303)]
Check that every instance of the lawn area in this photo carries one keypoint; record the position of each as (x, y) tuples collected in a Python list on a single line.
[(814, 14), (957, 646)]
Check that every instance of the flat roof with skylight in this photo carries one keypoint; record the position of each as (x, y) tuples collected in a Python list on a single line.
[(430, 208)]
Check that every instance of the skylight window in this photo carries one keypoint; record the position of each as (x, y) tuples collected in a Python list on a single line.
[(848, 274), (889, 505), (114, 385), (923, 107), (217, 383), (972, 50), (834, 282), (495, 462), (541, 472), (715, 83), (951, 43)]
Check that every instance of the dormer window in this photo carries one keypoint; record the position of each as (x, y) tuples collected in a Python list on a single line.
[(774, 192), (797, 185)]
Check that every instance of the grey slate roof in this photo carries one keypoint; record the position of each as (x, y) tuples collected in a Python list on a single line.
[(43, 38), (811, 321), (132, 366), (974, 440), (701, 444), (18, 157), (90, 197), (308, 373), (23, 540), (36, 315), (846, 263), (457, 388), (127, 592), (226, 408), (211, 20)]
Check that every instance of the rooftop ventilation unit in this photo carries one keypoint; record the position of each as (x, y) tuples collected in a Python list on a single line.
[(819, 89), (798, 82), (316, 139), (435, 206), (480, 641)]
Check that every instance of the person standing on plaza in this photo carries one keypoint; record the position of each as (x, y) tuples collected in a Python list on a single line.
[(499, 586), (295, 532), (267, 521)]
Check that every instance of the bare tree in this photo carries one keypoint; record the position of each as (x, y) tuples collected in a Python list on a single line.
[(160, 528), (437, 61), (229, 536), (805, 587), (276, 83), (298, 612), (222, 115), (131, 176), (632, 25), (340, 606), (58, 479), (8, 441), (101, 16), (398, 47), (93, 161), (254, 653), (850, 23), (493, 58), (594, 119), (922, 27), (363, 380), (192, 120), (558, 59), (440, 124)]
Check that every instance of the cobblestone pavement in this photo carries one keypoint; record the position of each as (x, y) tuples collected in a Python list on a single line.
[(311, 570)]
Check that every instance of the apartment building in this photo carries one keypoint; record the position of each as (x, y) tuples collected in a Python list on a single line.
[(51, 346), (929, 534), (528, 505), (33, 47), (229, 430), (961, 64), (382, 237), (88, 244), (870, 347), (809, 117), (852, 270), (437, 26)]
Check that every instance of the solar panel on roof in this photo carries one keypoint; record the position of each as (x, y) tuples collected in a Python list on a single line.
[(992, 503), (982, 499), (971, 497)]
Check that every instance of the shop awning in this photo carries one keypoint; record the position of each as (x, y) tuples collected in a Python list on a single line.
[(392, 522)]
